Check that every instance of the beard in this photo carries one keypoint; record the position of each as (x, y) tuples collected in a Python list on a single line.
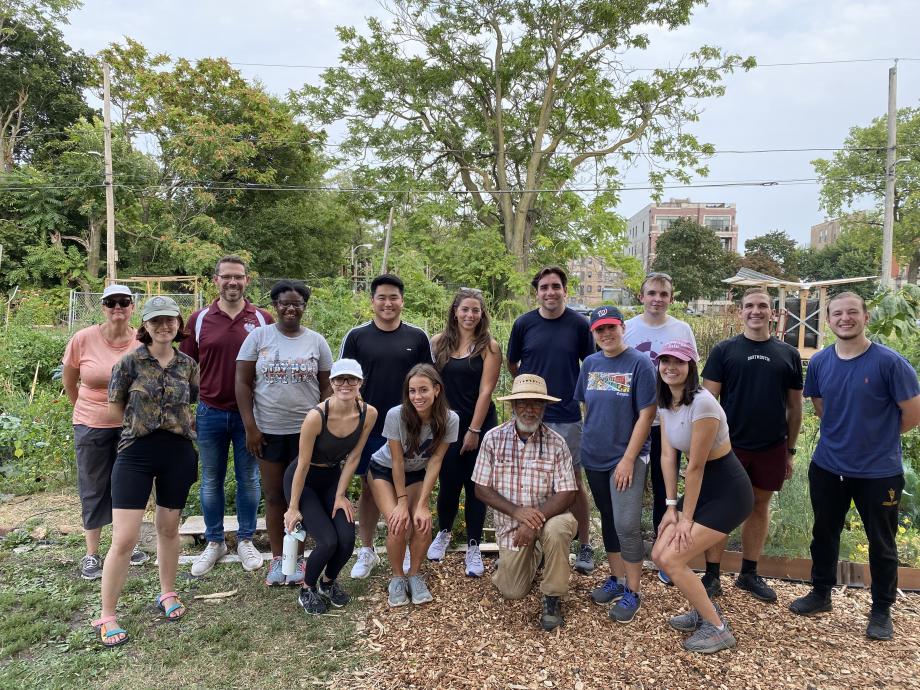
[(521, 425)]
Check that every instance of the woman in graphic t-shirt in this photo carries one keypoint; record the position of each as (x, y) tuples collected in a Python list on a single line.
[(282, 372)]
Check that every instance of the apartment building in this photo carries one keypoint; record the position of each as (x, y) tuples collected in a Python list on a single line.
[(597, 284)]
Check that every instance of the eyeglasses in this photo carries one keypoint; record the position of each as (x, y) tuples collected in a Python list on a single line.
[(232, 276), (112, 302), (531, 404), (346, 381), (295, 305)]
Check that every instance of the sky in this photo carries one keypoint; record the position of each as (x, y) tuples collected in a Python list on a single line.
[(803, 106)]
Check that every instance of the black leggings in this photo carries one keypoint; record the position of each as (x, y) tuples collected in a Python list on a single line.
[(456, 475), (599, 483), (334, 537)]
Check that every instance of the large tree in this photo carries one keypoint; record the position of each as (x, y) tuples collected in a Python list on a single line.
[(773, 250), (857, 171), (512, 101), (41, 78), (693, 256)]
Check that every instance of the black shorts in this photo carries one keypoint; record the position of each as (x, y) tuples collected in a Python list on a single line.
[(280, 447), (380, 472), (726, 497), (161, 457)]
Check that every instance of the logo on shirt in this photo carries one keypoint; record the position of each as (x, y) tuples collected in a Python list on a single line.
[(249, 326), (763, 357), (607, 381), (290, 370)]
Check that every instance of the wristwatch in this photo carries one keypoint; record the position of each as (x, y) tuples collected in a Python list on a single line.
[(792, 451), (670, 501)]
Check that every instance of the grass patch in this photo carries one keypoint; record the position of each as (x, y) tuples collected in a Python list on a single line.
[(259, 637)]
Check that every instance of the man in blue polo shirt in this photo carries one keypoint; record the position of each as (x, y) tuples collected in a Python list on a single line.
[(551, 341), (866, 395)]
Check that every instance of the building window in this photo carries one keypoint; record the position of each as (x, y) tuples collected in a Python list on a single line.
[(589, 289), (665, 222), (717, 223)]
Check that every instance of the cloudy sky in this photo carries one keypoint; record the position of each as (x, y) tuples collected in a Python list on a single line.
[(790, 107)]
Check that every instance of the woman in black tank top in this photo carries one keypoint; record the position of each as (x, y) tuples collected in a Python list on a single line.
[(469, 359), (332, 437)]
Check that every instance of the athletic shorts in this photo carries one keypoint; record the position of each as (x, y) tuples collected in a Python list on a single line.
[(766, 467), (374, 443), (726, 497), (380, 472), (571, 432), (280, 447), (162, 458), (96, 449)]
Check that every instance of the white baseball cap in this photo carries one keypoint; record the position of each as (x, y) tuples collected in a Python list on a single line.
[(346, 367), (116, 289)]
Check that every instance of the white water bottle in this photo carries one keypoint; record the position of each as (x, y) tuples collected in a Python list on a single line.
[(289, 550)]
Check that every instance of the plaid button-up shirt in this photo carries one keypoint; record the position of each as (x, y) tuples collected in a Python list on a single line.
[(525, 473)]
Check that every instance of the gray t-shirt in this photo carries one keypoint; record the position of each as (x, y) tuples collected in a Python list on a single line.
[(393, 429), (678, 424), (287, 383)]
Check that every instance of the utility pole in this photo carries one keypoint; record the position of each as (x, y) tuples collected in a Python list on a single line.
[(890, 165), (386, 241), (109, 181)]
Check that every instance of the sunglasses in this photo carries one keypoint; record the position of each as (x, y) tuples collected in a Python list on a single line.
[(112, 302), (346, 381), (657, 274)]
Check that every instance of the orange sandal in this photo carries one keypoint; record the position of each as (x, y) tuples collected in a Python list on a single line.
[(109, 633)]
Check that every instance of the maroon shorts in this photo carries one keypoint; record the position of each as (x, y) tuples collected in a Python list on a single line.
[(766, 467)]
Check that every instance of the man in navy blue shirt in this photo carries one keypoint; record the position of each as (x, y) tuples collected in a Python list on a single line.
[(866, 395), (551, 341)]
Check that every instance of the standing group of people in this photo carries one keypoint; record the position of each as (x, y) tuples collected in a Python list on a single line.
[(620, 399)]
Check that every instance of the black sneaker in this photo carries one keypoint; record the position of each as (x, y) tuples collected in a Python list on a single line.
[(337, 596), (812, 603), (552, 613), (91, 567), (755, 584), (138, 557), (880, 626), (311, 601), (713, 586)]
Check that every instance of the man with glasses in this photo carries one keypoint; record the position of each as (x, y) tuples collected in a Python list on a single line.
[(551, 341), (524, 472), (215, 336), (647, 333), (386, 348)]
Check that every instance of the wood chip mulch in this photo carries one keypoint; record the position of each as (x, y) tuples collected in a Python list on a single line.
[(468, 637)]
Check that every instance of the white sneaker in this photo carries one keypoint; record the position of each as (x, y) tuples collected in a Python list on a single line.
[(367, 559), (249, 555), (474, 567), (407, 561), (213, 552), (439, 544)]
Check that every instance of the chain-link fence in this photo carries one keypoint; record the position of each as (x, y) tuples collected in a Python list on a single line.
[(86, 307)]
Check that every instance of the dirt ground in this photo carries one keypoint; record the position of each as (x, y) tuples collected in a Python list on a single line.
[(470, 638)]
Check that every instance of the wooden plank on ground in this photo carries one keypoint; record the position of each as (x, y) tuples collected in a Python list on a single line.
[(194, 525)]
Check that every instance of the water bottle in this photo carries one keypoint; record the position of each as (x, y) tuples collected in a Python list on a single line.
[(289, 551)]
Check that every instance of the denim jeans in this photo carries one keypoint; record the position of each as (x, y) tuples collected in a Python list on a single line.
[(216, 429)]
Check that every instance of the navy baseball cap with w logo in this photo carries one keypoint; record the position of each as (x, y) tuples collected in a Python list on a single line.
[(606, 316)]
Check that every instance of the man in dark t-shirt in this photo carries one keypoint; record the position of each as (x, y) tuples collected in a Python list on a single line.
[(387, 348), (758, 380), (551, 341)]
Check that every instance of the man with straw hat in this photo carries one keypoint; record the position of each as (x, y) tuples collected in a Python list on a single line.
[(524, 472)]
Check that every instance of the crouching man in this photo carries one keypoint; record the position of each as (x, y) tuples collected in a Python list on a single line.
[(524, 471)]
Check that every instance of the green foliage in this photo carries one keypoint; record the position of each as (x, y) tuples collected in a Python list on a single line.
[(23, 348), (773, 253), (894, 320), (693, 256), (857, 252)]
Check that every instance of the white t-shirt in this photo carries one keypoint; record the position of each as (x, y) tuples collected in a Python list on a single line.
[(394, 429), (678, 424), (287, 383), (650, 339)]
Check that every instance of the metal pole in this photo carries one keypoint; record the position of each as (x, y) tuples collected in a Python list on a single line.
[(386, 241), (109, 181), (890, 165)]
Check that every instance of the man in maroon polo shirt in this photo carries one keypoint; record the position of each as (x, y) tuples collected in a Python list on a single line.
[(215, 336)]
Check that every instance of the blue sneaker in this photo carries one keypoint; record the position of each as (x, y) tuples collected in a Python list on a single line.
[(608, 592), (626, 608), (663, 578), (275, 576)]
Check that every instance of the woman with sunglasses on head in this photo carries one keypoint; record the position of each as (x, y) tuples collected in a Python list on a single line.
[(88, 360), (403, 473), (332, 437), (468, 359), (717, 491), (152, 390), (282, 372)]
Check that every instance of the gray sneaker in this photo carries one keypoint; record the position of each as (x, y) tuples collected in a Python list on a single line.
[(709, 639), (398, 591), (690, 621), (213, 552), (311, 602), (276, 574), (419, 590), (91, 567), (584, 563), (138, 557)]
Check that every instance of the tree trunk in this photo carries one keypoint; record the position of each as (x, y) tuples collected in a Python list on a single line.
[(92, 252)]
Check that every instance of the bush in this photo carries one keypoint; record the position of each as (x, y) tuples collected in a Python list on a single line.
[(23, 348)]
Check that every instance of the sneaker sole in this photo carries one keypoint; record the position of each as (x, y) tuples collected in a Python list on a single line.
[(311, 613), (469, 573), (252, 569), (550, 628), (880, 638), (367, 574), (583, 569), (90, 577), (628, 620), (423, 601), (136, 563), (713, 649), (813, 612), (332, 603), (757, 596), (397, 604)]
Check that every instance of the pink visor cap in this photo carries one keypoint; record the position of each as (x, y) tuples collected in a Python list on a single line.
[(684, 350)]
